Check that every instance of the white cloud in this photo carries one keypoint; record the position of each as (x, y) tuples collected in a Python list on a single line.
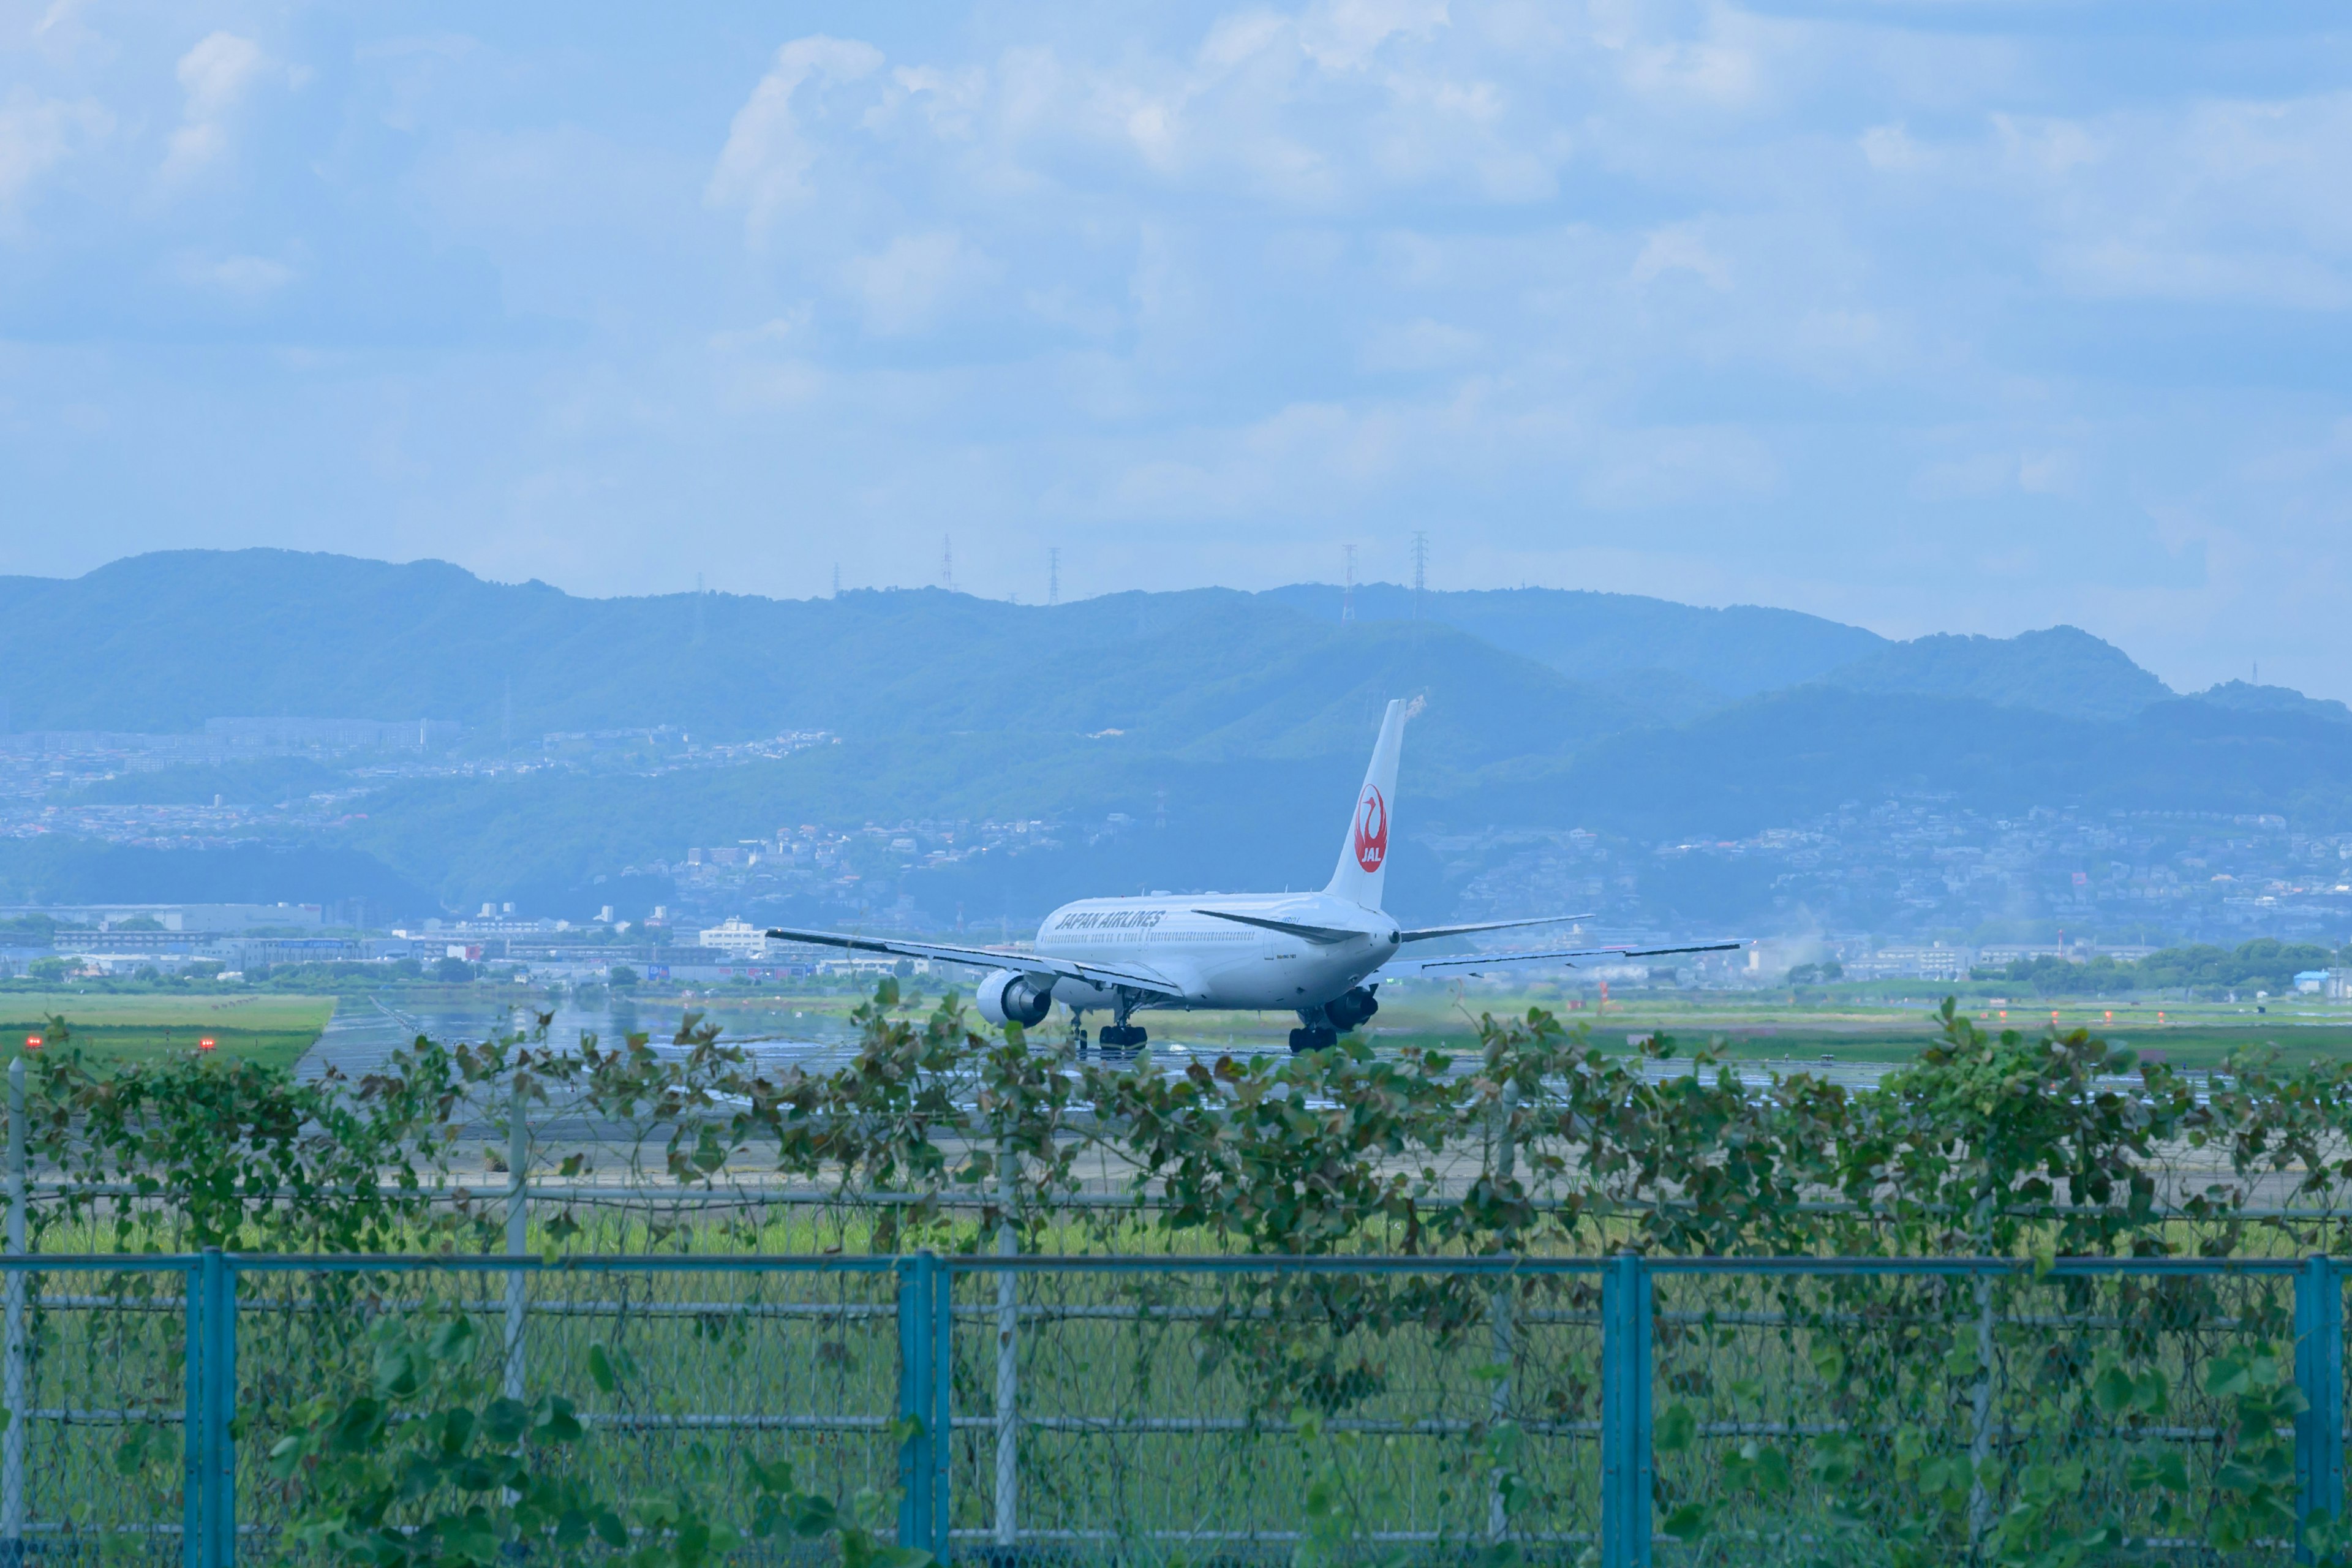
[(1679, 248), (2210, 199), (2120, 269), (765, 164), (903, 287), (1890, 147), (2054, 473), (1988, 475), (215, 77), (244, 279), (1419, 345), (1345, 35), (1642, 468), (37, 134)]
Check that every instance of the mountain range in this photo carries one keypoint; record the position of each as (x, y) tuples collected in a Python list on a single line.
[(1239, 721)]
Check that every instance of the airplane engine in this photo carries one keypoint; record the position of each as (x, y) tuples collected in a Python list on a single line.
[(1008, 997), (1356, 1007)]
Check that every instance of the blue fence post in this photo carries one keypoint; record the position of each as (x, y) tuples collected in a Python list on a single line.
[(2319, 1375), (942, 1416), (1625, 1447), (220, 1408), (192, 1427), (208, 1485), (924, 1370)]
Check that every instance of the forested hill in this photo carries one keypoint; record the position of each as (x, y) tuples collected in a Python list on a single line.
[(163, 642), (1241, 720)]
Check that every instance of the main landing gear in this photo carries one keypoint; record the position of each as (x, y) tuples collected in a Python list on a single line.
[(1313, 1037), (1320, 1026), (1115, 1039)]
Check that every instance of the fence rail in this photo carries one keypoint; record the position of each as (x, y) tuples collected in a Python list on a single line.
[(1698, 1410)]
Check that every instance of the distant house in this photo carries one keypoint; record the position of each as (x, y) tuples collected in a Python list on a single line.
[(736, 938), (1936, 962), (2311, 982)]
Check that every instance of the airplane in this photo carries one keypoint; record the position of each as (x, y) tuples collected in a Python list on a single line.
[(1321, 956)]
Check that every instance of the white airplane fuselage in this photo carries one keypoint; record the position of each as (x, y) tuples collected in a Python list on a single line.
[(1220, 964)]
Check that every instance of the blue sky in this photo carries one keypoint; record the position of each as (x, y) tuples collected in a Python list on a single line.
[(1935, 316)]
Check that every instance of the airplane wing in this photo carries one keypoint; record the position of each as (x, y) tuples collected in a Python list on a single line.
[(1134, 976), (1424, 933), (1478, 962)]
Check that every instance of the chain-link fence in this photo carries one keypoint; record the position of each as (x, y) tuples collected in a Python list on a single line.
[(1165, 1409)]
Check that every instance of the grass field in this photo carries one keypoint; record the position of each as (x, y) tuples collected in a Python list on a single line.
[(1768, 1027), (1753, 1026), (267, 1028)]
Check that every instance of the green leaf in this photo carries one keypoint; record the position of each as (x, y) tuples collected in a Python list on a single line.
[(2227, 1375), (505, 1420), (1688, 1522), (356, 1426), (2112, 1391), (1676, 1428), (1754, 1465), (395, 1370), (813, 1516), (1832, 1461), (453, 1341), (600, 1368)]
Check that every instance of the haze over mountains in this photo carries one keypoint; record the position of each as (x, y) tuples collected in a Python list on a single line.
[(1231, 726)]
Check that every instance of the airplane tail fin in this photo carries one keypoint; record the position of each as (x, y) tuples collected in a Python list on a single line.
[(1364, 853)]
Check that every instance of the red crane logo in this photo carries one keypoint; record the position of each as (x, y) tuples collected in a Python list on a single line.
[(1372, 829)]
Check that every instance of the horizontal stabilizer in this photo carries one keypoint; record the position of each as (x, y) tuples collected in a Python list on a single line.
[(1478, 962), (1323, 936), (1426, 933)]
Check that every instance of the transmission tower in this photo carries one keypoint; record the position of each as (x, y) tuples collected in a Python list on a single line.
[(946, 563), (1420, 569), (1053, 575), (1347, 593), (836, 578), (698, 608)]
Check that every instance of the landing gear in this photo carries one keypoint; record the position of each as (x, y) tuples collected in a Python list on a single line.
[(1120, 1037), (1314, 1038)]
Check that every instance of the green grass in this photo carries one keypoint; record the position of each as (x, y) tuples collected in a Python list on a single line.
[(1768, 1026), (271, 1029)]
